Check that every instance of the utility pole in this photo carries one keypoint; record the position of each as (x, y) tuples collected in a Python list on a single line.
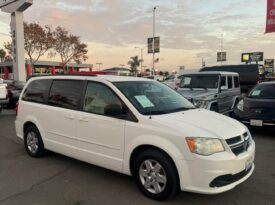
[(221, 49), (154, 28)]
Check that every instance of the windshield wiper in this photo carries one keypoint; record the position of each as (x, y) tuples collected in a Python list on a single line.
[(158, 112)]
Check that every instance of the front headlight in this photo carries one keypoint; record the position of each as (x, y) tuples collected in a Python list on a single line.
[(199, 103), (240, 105), (204, 146)]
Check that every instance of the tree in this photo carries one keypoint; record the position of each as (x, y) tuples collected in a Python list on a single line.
[(8, 47), (38, 41), (2, 55), (69, 47), (134, 64)]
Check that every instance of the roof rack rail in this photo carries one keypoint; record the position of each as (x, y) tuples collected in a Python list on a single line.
[(80, 74)]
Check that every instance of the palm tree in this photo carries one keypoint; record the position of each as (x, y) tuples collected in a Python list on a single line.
[(134, 64), (2, 55)]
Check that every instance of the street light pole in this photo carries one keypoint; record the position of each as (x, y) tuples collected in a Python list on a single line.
[(221, 49), (154, 28)]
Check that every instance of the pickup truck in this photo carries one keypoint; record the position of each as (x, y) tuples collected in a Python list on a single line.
[(4, 100)]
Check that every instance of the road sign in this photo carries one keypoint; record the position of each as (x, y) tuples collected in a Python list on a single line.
[(221, 56), (270, 17), (269, 63), (157, 45), (6, 2), (252, 57)]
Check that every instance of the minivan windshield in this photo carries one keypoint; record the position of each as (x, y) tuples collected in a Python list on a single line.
[(200, 81), (153, 98), (263, 91)]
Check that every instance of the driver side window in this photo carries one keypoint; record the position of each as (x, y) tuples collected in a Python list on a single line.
[(97, 97)]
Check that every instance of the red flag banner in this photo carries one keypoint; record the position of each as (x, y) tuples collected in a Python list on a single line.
[(270, 19)]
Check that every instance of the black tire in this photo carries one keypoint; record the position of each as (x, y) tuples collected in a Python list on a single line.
[(40, 151), (172, 183), (214, 108)]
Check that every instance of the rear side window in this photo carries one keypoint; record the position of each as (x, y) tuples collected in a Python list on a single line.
[(66, 94), (236, 82), (230, 82), (37, 91)]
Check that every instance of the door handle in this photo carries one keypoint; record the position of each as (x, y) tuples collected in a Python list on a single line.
[(70, 116), (83, 119)]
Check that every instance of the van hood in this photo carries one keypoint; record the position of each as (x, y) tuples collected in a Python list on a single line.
[(201, 123), (197, 94)]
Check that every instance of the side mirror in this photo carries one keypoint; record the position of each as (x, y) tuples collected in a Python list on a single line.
[(114, 110), (223, 88)]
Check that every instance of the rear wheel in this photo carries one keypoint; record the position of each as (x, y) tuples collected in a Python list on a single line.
[(33, 142), (155, 175)]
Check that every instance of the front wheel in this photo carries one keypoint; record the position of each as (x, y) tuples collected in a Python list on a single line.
[(155, 175)]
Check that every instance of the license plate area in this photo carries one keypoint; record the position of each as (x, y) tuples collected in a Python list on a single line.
[(256, 123)]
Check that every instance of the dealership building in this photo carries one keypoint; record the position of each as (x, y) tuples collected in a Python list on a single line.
[(43, 68)]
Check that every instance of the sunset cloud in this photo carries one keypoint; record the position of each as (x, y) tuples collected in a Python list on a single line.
[(189, 30)]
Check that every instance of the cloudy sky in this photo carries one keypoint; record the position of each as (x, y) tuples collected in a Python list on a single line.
[(189, 29)]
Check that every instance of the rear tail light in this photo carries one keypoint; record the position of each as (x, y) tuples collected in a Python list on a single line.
[(17, 108)]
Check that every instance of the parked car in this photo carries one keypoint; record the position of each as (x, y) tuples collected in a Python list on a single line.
[(155, 77), (14, 89), (3, 94), (216, 91), (138, 127), (258, 108), (249, 74), (172, 81)]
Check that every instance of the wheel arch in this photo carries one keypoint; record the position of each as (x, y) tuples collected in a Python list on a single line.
[(30, 121), (151, 142), (236, 99)]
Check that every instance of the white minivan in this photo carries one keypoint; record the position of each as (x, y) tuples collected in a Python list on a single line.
[(138, 127)]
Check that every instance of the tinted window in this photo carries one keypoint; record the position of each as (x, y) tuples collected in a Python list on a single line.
[(263, 91), (200, 81), (236, 82), (153, 98), (37, 91), (65, 93), (97, 97), (230, 82)]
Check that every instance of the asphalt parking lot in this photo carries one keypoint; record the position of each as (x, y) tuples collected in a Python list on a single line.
[(56, 179)]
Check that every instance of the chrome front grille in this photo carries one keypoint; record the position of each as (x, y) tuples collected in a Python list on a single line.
[(239, 144)]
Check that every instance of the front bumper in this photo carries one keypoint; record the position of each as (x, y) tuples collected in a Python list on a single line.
[(205, 174), (246, 118)]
